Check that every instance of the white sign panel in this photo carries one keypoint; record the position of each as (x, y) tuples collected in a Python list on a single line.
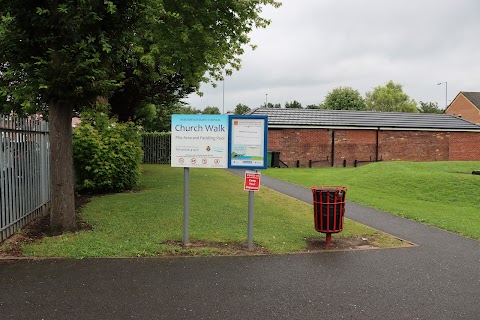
[(248, 147), (199, 141)]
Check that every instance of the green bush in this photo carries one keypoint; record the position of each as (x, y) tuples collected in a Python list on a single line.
[(106, 154)]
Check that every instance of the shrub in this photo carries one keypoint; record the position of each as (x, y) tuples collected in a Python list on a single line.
[(106, 154)]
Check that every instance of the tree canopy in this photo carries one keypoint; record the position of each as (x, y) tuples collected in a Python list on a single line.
[(429, 107), (390, 98), (271, 105), (134, 53), (241, 109), (211, 110), (293, 105), (344, 98), (194, 44)]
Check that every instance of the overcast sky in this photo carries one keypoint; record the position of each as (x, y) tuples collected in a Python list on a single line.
[(314, 46)]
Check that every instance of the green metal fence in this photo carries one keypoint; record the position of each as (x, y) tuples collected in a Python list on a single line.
[(156, 147)]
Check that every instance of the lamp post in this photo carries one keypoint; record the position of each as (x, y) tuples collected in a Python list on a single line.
[(446, 92), (266, 100), (223, 96)]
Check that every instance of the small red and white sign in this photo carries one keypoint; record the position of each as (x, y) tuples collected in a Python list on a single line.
[(252, 181)]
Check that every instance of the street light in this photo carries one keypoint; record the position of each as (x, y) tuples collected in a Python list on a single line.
[(223, 95), (266, 100), (446, 94)]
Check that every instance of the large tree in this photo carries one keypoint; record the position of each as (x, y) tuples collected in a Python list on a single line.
[(390, 98), (344, 98), (65, 54), (61, 53)]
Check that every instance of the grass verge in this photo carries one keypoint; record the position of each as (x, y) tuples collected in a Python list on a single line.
[(441, 194), (150, 222)]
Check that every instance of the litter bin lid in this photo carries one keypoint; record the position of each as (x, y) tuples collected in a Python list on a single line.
[(329, 189)]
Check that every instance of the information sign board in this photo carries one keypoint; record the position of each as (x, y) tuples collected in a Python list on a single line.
[(199, 141), (219, 141), (247, 147)]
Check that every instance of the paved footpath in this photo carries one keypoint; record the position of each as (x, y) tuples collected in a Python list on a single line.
[(438, 279)]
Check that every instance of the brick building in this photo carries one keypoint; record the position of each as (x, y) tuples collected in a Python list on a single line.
[(306, 137), (466, 105)]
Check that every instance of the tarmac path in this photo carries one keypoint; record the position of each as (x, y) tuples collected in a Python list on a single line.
[(438, 279)]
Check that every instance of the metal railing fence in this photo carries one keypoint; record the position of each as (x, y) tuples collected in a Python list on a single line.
[(24, 172), (156, 147)]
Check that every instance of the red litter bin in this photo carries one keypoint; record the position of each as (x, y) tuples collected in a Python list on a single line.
[(329, 209)]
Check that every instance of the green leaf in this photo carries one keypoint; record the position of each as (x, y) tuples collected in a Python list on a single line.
[(62, 8), (42, 11), (111, 7)]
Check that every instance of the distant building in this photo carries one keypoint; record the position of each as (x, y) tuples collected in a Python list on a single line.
[(312, 137), (466, 105)]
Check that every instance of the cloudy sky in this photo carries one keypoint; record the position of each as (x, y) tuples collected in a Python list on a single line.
[(314, 46)]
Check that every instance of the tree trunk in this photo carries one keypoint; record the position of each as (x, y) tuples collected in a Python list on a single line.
[(62, 215)]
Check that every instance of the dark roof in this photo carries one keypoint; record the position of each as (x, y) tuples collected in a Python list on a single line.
[(283, 118), (474, 98)]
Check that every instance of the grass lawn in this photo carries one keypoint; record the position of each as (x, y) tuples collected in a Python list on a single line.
[(441, 194), (144, 223)]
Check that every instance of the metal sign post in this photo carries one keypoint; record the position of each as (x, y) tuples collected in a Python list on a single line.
[(250, 220), (251, 184), (186, 204)]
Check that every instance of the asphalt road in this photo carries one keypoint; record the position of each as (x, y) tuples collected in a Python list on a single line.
[(437, 279)]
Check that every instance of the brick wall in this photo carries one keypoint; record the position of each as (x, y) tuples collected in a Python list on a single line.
[(300, 144), (464, 146), (350, 145), (414, 145), (462, 107)]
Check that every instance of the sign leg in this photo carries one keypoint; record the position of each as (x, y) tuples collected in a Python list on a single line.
[(250, 220), (186, 203)]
